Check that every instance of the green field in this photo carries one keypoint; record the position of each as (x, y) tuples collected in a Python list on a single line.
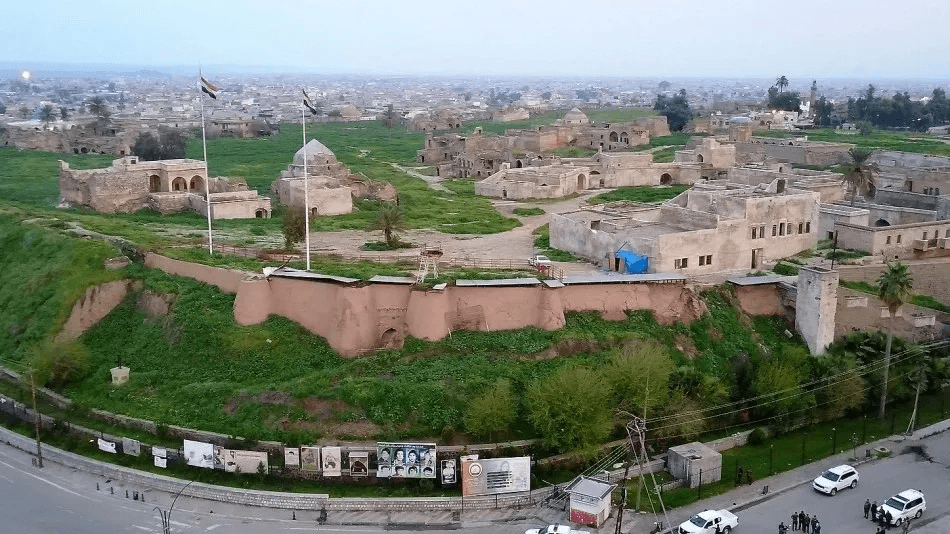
[(643, 194), (920, 143)]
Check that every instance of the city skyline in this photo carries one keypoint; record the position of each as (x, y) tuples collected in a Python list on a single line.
[(557, 38)]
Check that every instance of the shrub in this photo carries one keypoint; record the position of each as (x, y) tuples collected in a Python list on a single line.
[(525, 212), (756, 437), (785, 269)]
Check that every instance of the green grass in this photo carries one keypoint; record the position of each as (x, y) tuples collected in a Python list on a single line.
[(924, 301), (574, 152), (527, 212), (846, 254), (32, 176), (920, 143), (618, 114), (642, 194), (542, 242), (785, 269)]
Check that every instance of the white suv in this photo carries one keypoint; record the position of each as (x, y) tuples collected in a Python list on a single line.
[(905, 505), (836, 478)]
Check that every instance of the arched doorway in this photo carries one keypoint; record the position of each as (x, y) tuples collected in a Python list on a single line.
[(699, 158), (613, 137), (581, 182), (389, 339), (881, 222), (196, 183), (504, 193), (666, 179), (154, 183), (518, 164), (261, 213), (179, 184), (624, 137)]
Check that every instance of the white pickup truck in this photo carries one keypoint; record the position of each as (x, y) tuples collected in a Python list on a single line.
[(710, 522)]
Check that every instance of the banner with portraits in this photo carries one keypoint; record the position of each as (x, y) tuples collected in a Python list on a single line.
[(405, 460), (310, 459), (236, 461), (291, 457), (332, 461), (359, 464), (496, 475), (199, 454)]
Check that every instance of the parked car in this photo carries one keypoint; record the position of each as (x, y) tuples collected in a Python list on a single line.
[(709, 522), (538, 260), (555, 529), (905, 505), (836, 478)]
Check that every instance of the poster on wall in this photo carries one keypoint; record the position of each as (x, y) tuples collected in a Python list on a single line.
[(310, 459), (405, 460), (359, 464), (131, 447), (219, 457), (106, 446), (331, 461), (199, 454), (236, 461), (291, 457), (448, 472), (496, 475)]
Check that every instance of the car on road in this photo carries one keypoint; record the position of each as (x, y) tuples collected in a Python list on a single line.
[(836, 478), (555, 529), (538, 260), (905, 505), (709, 522)]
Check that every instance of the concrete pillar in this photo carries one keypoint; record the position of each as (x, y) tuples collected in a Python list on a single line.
[(815, 303)]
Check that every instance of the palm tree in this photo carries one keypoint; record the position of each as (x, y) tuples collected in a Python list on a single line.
[(98, 107), (861, 173), (782, 83), (390, 221), (894, 289)]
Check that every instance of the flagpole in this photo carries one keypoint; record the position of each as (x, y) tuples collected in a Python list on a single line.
[(204, 144), (306, 184)]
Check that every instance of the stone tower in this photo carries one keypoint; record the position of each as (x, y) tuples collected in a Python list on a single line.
[(815, 303)]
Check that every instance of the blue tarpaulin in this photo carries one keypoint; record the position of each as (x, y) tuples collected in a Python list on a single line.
[(633, 262)]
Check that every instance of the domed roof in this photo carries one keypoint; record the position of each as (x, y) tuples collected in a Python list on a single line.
[(575, 115), (315, 150)]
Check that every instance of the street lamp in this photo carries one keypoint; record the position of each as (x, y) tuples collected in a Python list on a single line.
[(166, 517)]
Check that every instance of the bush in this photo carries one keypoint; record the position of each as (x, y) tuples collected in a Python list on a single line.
[(846, 254), (525, 212), (756, 437), (785, 269)]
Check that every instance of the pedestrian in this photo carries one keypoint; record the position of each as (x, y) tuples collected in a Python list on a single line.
[(905, 526), (814, 523), (816, 528), (867, 507), (888, 518), (874, 511), (801, 520), (782, 529), (794, 521)]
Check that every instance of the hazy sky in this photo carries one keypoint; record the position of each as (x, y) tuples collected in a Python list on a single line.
[(628, 38)]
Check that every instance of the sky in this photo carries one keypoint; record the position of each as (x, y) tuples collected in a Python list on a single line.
[(556, 38)]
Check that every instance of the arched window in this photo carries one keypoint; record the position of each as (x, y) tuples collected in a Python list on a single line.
[(179, 184), (196, 183), (154, 183)]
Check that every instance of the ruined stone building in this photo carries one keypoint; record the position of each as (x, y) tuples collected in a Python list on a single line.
[(714, 226), (167, 186), (86, 137), (332, 187), (551, 181), (443, 119), (480, 155)]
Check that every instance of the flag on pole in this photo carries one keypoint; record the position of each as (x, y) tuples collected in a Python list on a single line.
[(208, 87), (308, 103)]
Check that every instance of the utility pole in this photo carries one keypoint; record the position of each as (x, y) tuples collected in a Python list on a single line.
[(36, 421)]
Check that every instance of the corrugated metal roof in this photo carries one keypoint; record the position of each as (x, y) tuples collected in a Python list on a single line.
[(294, 273), (615, 278), (760, 280), (380, 279)]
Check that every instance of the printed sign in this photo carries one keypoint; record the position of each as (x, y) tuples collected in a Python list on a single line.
[(131, 447), (331, 461), (244, 461), (310, 459), (359, 464), (199, 454), (160, 455), (291, 457), (106, 446), (219, 453), (448, 472), (497, 475), (405, 460)]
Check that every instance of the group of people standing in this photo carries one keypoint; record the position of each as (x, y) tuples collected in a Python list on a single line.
[(801, 522), (884, 518)]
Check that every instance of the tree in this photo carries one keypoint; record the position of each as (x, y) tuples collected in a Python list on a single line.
[(58, 364), (97, 106), (48, 114), (168, 144), (781, 83), (663, 86), (823, 112), (639, 376), (390, 221), (675, 109), (24, 112), (293, 228), (390, 118), (779, 383), (570, 409), (860, 175), (63, 113), (680, 418), (493, 411), (895, 287), (3, 108), (790, 101)]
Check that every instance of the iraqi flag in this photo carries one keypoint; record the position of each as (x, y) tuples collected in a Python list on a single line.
[(209, 88), (308, 103)]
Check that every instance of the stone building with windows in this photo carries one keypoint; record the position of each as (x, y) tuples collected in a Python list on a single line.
[(712, 227), (167, 186)]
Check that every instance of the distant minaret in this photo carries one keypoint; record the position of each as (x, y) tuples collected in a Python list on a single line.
[(814, 96)]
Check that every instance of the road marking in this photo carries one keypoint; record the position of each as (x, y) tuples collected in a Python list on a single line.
[(142, 528), (212, 527), (41, 479)]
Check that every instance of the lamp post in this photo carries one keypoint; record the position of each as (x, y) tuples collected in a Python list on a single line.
[(166, 517)]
